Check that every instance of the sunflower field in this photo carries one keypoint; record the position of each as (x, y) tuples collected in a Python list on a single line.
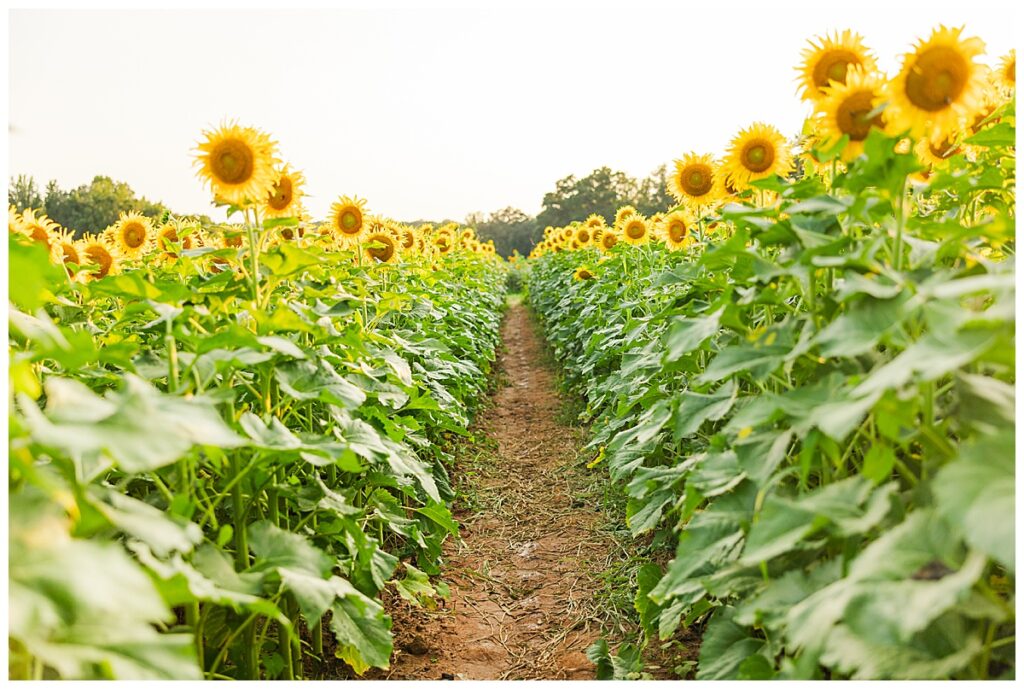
[(228, 442), (801, 378)]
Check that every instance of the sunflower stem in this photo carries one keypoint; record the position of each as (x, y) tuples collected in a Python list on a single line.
[(900, 221)]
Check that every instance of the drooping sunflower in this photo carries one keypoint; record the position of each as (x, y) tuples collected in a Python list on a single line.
[(132, 234), (848, 110), (623, 213), (607, 238), (635, 229), (582, 273), (238, 163), (939, 87), (1006, 75), (98, 251), (757, 152), (829, 60), (347, 217), (380, 245), (674, 230), (39, 227), (693, 181), (285, 197)]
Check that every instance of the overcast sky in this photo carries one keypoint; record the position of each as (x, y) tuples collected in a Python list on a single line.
[(427, 113)]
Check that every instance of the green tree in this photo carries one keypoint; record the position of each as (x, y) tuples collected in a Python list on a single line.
[(23, 193), (652, 194), (95, 206), (510, 228)]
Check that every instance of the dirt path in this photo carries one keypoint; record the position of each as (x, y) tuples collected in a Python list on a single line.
[(523, 579)]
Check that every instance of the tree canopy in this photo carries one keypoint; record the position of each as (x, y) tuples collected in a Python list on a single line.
[(87, 208)]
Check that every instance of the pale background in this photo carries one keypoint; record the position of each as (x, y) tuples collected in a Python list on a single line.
[(428, 113)]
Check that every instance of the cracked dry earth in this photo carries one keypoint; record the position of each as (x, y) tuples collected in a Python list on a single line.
[(524, 576)]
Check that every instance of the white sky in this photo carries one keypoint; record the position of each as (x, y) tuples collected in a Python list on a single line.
[(428, 113)]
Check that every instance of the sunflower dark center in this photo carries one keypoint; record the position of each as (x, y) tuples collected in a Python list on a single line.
[(134, 235), (281, 196), (758, 155), (833, 67), (350, 220), (852, 116), (635, 230), (937, 78), (232, 161), (677, 231)]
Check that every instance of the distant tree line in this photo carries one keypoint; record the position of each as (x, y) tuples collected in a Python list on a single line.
[(603, 191), (87, 208)]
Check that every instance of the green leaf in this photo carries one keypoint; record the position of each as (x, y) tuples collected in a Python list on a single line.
[(276, 548), (976, 495), (31, 275), (686, 334), (726, 646), (361, 628), (138, 427), (309, 380), (693, 409)]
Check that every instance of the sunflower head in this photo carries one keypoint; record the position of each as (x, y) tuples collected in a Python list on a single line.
[(594, 222), (285, 197), (675, 229), (829, 60), (937, 152), (583, 236), (607, 238), (132, 234), (757, 152), (238, 163), (939, 87), (38, 227), (693, 182), (634, 229), (583, 273), (347, 217), (99, 252), (851, 109), (1006, 74), (66, 250), (623, 213), (380, 245)]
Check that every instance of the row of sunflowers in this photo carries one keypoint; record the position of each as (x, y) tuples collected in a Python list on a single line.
[(231, 443), (801, 380)]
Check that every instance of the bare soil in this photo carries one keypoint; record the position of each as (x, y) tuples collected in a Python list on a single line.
[(523, 577)]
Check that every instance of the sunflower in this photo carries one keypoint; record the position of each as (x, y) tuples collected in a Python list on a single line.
[(606, 238), (285, 197), (849, 110), (674, 230), (757, 152), (594, 222), (65, 246), (175, 235), (406, 238), (380, 245), (693, 182), (583, 235), (935, 152), (238, 163), (14, 221), (829, 60), (623, 213), (38, 227), (97, 250), (635, 229), (347, 217), (939, 86), (132, 234), (583, 273), (1006, 75)]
